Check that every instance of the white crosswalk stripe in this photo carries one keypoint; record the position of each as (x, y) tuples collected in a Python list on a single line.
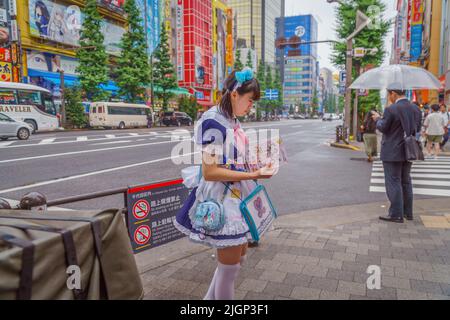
[(430, 177)]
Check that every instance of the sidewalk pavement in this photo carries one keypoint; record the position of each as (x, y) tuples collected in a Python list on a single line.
[(320, 254)]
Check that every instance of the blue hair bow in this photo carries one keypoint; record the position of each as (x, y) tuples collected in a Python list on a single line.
[(245, 75)]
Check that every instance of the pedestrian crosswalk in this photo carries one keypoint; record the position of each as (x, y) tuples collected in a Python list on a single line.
[(430, 177)]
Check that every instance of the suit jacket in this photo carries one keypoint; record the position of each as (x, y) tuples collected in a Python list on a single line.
[(392, 144)]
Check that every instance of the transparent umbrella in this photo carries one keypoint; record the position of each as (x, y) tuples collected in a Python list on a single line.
[(396, 77)]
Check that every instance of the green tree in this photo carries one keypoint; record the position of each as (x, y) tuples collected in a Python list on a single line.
[(314, 102), (133, 68), (371, 37), (74, 107), (163, 70), (189, 105), (277, 85), (249, 59), (93, 59), (238, 65)]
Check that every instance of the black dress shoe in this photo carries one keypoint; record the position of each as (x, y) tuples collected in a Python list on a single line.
[(391, 219), (410, 218)]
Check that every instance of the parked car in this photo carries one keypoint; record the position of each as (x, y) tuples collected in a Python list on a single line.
[(177, 119), (14, 128), (315, 116), (299, 116)]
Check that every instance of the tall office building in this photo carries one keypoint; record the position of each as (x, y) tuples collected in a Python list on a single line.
[(255, 25), (298, 65)]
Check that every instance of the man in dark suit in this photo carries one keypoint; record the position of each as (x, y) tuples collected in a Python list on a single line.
[(397, 170)]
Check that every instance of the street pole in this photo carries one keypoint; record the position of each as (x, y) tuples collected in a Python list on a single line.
[(63, 104), (355, 104), (348, 82)]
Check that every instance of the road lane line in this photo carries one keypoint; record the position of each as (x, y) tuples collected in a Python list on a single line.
[(4, 144), (78, 176), (111, 142), (110, 136), (86, 151), (83, 138)]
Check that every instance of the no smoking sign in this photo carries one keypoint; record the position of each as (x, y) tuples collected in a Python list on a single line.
[(141, 209), (142, 235)]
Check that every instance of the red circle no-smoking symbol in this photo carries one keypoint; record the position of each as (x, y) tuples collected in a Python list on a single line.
[(142, 235), (141, 209)]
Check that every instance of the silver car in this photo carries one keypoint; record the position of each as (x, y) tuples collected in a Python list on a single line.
[(12, 128)]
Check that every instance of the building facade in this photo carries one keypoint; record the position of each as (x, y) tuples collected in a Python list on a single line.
[(444, 64), (298, 64), (49, 36), (194, 30), (418, 41), (255, 26)]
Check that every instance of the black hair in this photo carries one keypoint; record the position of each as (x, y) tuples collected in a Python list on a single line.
[(249, 86), (43, 7), (399, 92), (435, 107)]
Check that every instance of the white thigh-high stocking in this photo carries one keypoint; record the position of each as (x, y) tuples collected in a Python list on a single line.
[(212, 286), (224, 286)]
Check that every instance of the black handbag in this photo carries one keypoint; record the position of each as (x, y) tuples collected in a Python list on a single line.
[(413, 148)]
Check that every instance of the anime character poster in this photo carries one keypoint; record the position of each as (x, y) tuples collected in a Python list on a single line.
[(56, 22)]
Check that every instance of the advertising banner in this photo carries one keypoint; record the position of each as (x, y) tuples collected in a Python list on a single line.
[(44, 61), (180, 40), (62, 23), (5, 71)]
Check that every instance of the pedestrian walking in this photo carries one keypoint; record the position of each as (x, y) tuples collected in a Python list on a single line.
[(446, 115), (369, 129), (399, 118), (224, 183), (435, 126)]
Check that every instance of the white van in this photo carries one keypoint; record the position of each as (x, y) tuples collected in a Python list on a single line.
[(119, 115), (29, 103)]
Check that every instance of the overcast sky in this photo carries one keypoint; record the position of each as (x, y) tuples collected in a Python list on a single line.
[(324, 13)]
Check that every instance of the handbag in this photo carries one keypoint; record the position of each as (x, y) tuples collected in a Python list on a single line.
[(210, 215), (258, 211), (413, 148)]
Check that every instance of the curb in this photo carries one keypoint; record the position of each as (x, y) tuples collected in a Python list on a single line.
[(345, 146)]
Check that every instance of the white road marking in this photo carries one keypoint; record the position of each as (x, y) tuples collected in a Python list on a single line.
[(111, 142), (421, 191), (418, 170), (133, 134), (83, 138), (85, 151), (47, 141), (110, 136), (97, 172), (418, 175), (4, 144), (436, 183)]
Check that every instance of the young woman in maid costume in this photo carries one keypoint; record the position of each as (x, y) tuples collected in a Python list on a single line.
[(223, 143)]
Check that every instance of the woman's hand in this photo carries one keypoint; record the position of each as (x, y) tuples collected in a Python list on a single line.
[(266, 172)]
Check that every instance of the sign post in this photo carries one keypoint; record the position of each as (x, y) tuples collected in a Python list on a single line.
[(151, 211)]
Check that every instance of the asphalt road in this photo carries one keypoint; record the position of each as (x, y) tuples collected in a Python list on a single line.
[(62, 164)]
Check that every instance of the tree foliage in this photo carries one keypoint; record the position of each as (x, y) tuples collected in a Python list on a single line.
[(133, 69), (93, 60)]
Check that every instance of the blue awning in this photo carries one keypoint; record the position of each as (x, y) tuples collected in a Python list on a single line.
[(69, 79), (53, 77)]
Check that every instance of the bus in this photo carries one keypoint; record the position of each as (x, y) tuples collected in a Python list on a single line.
[(29, 103), (119, 115)]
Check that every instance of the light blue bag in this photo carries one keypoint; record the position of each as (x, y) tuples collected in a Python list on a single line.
[(210, 214)]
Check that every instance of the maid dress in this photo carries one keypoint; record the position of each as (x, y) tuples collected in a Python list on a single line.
[(213, 128)]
